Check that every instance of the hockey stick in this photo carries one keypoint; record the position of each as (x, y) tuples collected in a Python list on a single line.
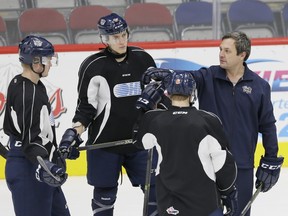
[(3, 151), (248, 205), (46, 168), (147, 182), (105, 145)]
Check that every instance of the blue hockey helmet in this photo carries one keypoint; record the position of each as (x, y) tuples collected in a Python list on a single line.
[(34, 46), (112, 24), (181, 83)]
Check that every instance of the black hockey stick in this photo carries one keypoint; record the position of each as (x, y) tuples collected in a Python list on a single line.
[(105, 145), (46, 168), (3, 151), (248, 205), (147, 182)]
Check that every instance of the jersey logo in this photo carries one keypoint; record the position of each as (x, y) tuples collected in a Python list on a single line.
[(247, 89), (127, 89), (172, 211), (180, 113)]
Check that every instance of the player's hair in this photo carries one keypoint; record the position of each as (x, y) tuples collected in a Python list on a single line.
[(242, 42)]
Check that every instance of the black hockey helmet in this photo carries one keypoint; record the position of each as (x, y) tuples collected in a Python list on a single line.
[(112, 24), (181, 83), (34, 46)]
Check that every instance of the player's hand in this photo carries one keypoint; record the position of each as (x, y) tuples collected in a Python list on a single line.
[(268, 172), (157, 74), (58, 177), (230, 201), (150, 96), (69, 143)]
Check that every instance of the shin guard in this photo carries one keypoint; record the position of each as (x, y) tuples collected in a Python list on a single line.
[(103, 201)]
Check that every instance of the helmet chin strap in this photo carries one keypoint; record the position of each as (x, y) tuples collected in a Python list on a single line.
[(40, 74)]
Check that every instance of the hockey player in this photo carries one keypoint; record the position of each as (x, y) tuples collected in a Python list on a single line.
[(195, 169), (29, 124), (109, 85), (242, 100)]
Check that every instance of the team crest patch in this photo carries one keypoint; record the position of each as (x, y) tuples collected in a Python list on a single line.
[(172, 211), (247, 89)]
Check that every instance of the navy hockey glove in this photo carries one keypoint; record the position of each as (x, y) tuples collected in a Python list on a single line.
[(268, 172), (230, 201), (54, 176), (150, 96), (69, 144), (157, 74)]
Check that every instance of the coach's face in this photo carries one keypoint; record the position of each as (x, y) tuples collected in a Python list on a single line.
[(228, 55)]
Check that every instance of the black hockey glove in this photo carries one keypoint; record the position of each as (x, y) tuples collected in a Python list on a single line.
[(150, 96), (157, 74), (230, 201), (55, 178), (69, 143), (268, 172)]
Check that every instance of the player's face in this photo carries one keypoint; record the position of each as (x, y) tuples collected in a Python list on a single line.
[(228, 54), (118, 42)]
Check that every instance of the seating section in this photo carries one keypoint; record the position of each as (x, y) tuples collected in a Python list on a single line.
[(193, 21), (3, 33), (253, 17), (83, 23), (75, 21), (284, 19), (46, 22), (149, 22)]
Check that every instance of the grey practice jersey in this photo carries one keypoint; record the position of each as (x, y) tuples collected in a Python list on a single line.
[(194, 162), (28, 118)]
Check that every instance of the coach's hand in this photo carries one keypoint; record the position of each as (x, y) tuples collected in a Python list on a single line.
[(268, 172), (69, 143)]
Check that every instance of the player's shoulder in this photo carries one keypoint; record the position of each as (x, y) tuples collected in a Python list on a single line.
[(210, 116), (91, 60), (137, 51), (154, 112)]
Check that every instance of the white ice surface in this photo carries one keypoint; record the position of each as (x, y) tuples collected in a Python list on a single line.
[(130, 200)]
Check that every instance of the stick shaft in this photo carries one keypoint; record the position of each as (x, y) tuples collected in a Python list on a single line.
[(147, 182), (3, 151), (44, 166), (105, 145), (248, 205)]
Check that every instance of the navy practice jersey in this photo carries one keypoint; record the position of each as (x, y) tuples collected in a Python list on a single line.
[(107, 93), (194, 163), (28, 118)]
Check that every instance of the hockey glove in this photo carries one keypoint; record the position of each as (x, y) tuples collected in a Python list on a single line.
[(268, 172), (69, 143), (54, 176), (157, 74), (230, 201), (150, 96)]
